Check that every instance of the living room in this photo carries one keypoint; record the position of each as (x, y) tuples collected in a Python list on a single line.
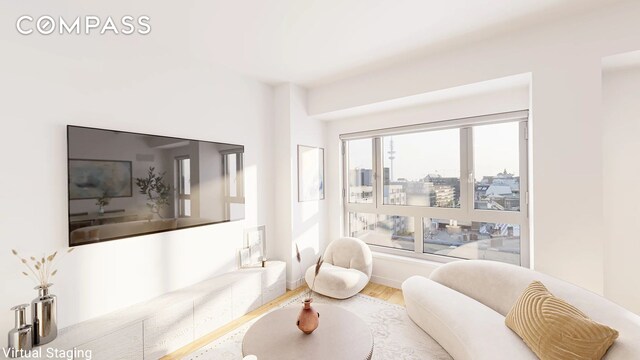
[(470, 148)]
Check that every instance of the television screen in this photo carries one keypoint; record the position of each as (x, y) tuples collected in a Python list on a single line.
[(124, 184)]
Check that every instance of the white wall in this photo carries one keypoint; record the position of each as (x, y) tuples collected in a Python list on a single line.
[(393, 270), (565, 133), (157, 84), (621, 116), (302, 223), (309, 218), (284, 180)]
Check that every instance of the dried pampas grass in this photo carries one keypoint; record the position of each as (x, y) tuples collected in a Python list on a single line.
[(41, 270)]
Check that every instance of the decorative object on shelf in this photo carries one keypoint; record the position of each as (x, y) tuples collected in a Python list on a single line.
[(44, 315), (21, 337), (155, 189), (245, 257), (43, 308), (256, 242), (310, 173), (89, 179), (102, 202), (308, 319)]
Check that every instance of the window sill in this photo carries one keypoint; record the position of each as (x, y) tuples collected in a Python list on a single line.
[(406, 259)]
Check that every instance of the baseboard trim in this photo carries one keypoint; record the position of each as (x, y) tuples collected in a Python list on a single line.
[(386, 281), (292, 285)]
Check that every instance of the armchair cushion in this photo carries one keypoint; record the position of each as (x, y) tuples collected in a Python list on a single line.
[(350, 253), (336, 282), (346, 271)]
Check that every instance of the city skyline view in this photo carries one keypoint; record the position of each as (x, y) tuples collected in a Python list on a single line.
[(417, 155)]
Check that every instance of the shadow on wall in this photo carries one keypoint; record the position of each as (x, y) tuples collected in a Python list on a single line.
[(308, 234)]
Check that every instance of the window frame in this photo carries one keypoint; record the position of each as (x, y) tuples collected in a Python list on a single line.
[(466, 211)]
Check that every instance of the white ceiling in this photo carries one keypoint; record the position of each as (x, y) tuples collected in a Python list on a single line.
[(621, 61), (511, 83), (311, 42)]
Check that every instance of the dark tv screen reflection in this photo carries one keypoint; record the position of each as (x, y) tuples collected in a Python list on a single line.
[(124, 184)]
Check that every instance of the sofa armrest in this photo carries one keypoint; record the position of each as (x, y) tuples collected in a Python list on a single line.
[(465, 328)]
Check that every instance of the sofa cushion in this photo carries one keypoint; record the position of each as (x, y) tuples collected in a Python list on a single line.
[(499, 285), (555, 329), (465, 328)]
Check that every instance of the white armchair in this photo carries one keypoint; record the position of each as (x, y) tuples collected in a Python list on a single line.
[(346, 269)]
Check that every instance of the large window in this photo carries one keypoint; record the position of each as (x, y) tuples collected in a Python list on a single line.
[(440, 191)]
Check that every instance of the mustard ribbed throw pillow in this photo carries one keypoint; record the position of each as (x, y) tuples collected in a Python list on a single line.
[(556, 330)]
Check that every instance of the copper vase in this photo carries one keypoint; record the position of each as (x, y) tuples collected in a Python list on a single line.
[(308, 319)]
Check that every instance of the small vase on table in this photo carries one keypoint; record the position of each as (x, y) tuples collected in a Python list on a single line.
[(309, 318)]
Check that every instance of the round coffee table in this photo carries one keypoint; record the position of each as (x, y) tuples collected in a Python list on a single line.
[(340, 335)]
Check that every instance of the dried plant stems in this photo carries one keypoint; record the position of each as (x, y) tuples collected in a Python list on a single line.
[(317, 271), (43, 269), (315, 275), (299, 258), (23, 261)]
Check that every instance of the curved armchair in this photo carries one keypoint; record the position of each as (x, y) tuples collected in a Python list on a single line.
[(346, 270)]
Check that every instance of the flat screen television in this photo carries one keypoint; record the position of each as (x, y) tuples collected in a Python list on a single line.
[(124, 184)]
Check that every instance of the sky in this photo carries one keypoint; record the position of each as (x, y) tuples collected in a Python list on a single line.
[(438, 152)]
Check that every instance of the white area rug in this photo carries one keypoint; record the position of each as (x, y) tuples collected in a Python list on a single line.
[(396, 337)]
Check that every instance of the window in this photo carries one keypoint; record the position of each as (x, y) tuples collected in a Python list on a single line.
[(496, 167), (472, 240), (457, 187), (383, 230), (183, 165), (360, 171), (422, 169)]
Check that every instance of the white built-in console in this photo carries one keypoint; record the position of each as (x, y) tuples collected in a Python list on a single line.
[(155, 328)]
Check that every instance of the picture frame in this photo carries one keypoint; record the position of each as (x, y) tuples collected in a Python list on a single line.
[(92, 179), (256, 243), (245, 257), (310, 173)]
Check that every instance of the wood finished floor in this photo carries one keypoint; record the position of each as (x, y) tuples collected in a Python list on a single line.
[(377, 291)]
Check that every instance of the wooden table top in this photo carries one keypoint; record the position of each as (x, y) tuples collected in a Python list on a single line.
[(340, 335)]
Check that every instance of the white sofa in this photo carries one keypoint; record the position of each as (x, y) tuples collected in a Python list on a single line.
[(464, 303), (346, 270)]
